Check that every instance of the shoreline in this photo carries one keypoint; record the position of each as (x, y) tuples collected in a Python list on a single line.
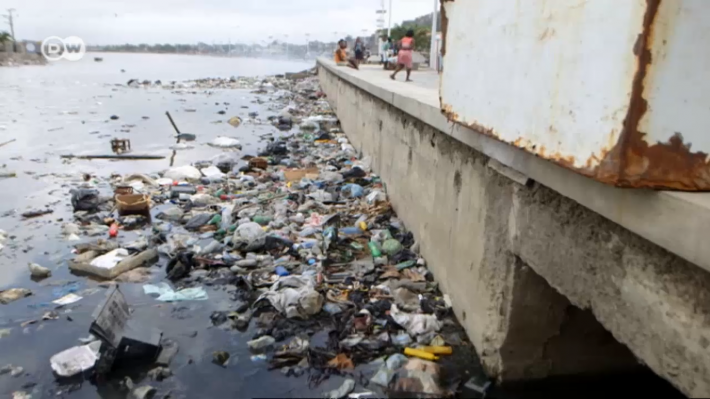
[(203, 55), (21, 59)]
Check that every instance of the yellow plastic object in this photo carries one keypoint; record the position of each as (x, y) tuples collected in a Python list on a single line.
[(437, 350), (363, 226), (420, 354)]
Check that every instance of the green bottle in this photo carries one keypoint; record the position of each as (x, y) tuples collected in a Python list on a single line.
[(374, 249), (216, 219), (262, 220)]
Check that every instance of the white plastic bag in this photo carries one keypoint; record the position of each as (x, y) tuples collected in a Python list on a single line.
[(111, 259), (213, 173), (416, 324), (225, 142), (186, 172)]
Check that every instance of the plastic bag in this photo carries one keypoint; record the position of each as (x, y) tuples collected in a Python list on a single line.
[(352, 191), (227, 217), (226, 160), (416, 324), (213, 173), (198, 221), (110, 260), (298, 299), (166, 293), (85, 199), (186, 172), (249, 237), (225, 142)]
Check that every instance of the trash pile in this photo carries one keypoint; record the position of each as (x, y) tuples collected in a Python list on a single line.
[(302, 235)]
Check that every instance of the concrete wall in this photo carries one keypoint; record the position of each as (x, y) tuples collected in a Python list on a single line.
[(498, 248)]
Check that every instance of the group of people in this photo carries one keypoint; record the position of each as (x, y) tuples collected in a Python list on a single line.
[(402, 51)]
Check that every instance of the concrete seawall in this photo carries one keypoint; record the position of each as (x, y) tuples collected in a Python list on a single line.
[(544, 284)]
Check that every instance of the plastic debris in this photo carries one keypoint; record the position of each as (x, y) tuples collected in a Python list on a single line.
[(225, 142), (38, 271), (166, 294), (85, 199), (76, 359), (341, 392), (13, 294), (261, 343), (416, 324), (298, 299), (67, 300), (183, 173)]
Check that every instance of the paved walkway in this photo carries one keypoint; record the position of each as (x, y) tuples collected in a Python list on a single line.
[(424, 88)]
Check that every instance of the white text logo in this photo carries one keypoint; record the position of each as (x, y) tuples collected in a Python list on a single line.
[(71, 48)]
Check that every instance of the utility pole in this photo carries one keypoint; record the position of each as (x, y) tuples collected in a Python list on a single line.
[(11, 22), (389, 25), (434, 50)]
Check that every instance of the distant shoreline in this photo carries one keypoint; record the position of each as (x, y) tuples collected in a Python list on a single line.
[(204, 55)]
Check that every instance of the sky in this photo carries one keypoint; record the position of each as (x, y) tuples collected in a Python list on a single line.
[(192, 21)]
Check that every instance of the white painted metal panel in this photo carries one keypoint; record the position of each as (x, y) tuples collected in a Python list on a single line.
[(552, 76), (616, 90), (677, 85)]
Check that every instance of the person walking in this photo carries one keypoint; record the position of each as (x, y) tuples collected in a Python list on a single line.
[(383, 50), (359, 51), (405, 55)]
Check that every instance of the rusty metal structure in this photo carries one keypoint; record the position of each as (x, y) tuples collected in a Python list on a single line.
[(616, 90)]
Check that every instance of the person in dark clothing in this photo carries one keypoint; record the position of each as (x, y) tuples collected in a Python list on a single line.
[(359, 51)]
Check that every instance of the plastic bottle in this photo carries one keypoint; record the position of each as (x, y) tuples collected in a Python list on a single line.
[(281, 271), (262, 220), (226, 217), (216, 220), (420, 354), (374, 249), (113, 231), (350, 231), (437, 350)]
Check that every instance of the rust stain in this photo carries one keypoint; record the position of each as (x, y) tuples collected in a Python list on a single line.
[(634, 162)]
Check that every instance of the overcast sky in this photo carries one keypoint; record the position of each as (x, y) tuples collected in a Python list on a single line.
[(190, 21)]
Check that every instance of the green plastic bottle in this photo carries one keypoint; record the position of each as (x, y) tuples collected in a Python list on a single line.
[(262, 220), (216, 219), (374, 249)]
